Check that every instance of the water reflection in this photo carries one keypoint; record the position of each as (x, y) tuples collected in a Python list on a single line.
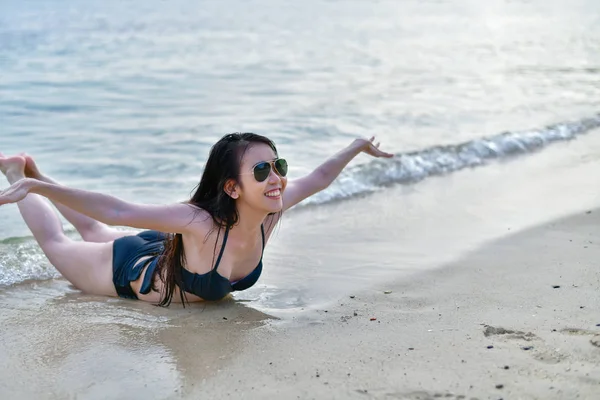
[(59, 343)]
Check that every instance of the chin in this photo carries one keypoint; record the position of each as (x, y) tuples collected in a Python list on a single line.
[(274, 208)]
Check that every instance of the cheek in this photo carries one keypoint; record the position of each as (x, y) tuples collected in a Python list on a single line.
[(255, 190)]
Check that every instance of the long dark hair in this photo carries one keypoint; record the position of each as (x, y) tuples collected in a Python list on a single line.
[(222, 165)]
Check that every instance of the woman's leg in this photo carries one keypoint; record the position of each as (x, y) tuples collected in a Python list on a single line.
[(89, 229), (88, 266)]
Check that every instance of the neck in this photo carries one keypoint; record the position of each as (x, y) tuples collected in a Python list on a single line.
[(250, 220)]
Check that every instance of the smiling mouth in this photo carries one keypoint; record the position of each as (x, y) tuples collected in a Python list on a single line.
[(273, 193)]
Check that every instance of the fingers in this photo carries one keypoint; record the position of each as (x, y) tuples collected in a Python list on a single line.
[(375, 152), (379, 153), (373, 149), (384, 154)]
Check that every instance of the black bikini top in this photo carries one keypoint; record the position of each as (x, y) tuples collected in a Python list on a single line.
[(214, 286)]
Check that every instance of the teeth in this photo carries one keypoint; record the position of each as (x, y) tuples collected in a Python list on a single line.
[(273, 193)]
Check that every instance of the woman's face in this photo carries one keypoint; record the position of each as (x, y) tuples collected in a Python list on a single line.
[(265, 196)]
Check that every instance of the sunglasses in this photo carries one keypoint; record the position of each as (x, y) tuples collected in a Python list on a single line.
[(262, 170)]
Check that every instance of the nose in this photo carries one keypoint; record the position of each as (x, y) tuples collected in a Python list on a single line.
[(274, 177)]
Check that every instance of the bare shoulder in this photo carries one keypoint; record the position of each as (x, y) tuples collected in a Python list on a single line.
[(202, 222)]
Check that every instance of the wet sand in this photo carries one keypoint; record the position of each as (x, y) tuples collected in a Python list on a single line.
[(516, 318), (465, 271)]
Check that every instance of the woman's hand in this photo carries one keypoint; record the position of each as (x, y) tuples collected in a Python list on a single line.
[(16, 192), (368, 147)]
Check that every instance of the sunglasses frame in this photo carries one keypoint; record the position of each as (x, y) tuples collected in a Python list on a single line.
[(272, 167)]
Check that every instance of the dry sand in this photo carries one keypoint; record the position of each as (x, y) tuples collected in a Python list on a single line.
[(517, 319)]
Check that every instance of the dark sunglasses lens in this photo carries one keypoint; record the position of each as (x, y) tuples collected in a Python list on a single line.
[(262, 171), (281, 166)]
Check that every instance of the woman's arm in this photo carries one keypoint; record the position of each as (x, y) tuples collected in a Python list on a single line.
[(173, 218), (299, 189)]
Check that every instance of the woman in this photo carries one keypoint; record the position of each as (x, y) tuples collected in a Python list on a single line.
[(201, 249)]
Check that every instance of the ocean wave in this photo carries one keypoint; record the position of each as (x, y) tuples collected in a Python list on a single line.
[(21, 259), (407, 168)]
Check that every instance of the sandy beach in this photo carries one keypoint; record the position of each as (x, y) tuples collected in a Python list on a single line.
[(515, 319), (473, 300), (465, 267)]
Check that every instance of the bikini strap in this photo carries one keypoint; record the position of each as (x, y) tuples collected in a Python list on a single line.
[(262, 232), (222, 249)]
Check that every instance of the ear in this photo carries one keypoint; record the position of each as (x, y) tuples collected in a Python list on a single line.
[(230, 188)]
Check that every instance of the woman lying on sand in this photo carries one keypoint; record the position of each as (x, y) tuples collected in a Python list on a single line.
[(201, 249)]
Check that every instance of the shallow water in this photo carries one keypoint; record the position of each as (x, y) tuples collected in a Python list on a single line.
[(127, 98)]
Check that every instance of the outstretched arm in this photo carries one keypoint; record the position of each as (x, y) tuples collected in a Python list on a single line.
[(299, 189), (173, 218)]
